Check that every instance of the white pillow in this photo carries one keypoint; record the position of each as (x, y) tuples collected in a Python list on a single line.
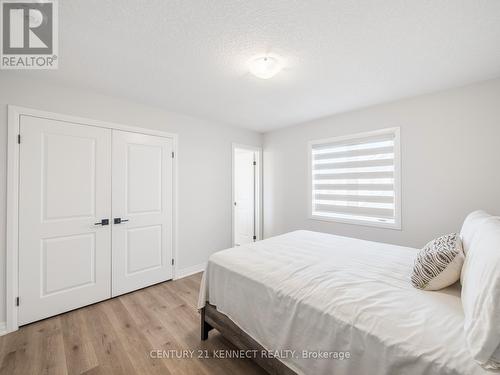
[(439, 263), (481, 294), (470, 227)]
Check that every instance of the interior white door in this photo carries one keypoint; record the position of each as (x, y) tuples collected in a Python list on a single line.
[(142, 201), (64, 189), (244, 196)]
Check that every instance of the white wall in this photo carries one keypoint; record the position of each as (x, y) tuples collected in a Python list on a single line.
[(204, 160), (450, 144)]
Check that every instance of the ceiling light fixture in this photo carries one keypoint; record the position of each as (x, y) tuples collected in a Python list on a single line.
[(265, 67)]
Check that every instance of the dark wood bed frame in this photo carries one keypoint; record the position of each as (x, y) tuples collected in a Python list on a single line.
[(211, 318)]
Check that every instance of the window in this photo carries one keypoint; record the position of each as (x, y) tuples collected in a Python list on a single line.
[(356, 179)]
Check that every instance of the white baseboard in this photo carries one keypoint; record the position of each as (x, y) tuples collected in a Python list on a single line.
[(3, 328), (188, 271)]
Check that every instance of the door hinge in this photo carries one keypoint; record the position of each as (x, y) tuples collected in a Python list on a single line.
[(254, 163), (17, 301), (254, 237), (19, 138), (173, 155), (173, 262)]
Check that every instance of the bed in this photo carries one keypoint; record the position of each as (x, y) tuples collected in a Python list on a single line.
[(314, 298)]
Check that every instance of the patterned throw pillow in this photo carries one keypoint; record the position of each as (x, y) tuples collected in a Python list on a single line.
[(439, 263)]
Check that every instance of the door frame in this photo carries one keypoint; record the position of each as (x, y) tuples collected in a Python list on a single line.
[(12, 232), (258, 188)]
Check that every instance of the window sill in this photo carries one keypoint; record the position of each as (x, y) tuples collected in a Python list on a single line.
[(394, 226)]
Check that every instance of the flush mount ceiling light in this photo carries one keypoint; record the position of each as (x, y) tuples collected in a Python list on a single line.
[(265, 67)]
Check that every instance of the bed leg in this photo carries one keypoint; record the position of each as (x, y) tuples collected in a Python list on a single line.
[(205, 327)]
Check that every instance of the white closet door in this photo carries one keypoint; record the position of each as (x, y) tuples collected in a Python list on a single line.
[(244, 196), (65, 188), (142, 200)]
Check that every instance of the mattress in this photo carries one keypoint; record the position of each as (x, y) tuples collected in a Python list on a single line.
[(326, 304)]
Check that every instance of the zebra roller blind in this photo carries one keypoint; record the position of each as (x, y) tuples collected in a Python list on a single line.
[(355, 179)]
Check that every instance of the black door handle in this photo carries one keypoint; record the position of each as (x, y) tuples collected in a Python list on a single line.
[(119, 220), (103, 222)]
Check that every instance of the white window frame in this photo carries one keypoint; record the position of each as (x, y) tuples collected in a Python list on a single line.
[(397, 179)]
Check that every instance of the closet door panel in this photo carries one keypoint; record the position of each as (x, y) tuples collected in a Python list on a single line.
[(142, 209), (64, 189)]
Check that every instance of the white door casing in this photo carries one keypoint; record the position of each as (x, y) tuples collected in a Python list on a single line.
[(64, 189), (142, 194), (244, 196)]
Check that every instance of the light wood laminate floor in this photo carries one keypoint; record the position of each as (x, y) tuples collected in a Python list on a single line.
[(116, 337)]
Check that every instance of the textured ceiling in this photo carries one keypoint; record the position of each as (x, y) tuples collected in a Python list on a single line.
[(190, 56)]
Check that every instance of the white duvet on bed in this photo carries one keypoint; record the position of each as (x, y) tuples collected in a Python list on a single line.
[(323, 293)]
